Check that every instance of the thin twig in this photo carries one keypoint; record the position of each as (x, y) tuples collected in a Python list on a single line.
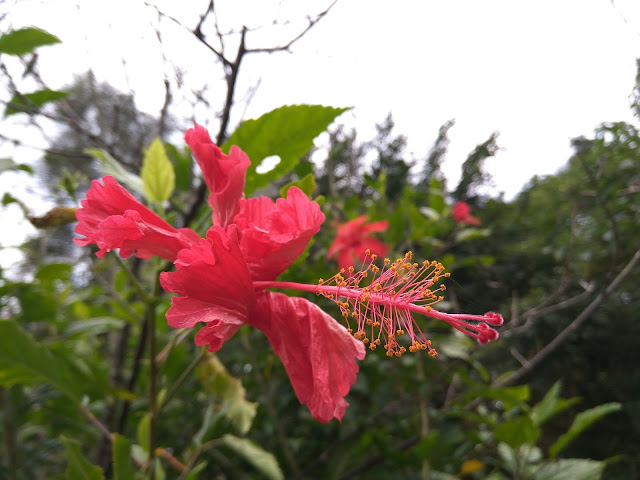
[(183, 376), (569, 329)]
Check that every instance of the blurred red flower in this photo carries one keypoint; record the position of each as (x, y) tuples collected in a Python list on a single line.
[(354, 238), (461, 213)]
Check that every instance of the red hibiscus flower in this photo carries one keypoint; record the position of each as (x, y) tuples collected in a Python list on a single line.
[(217, 288), (223, 280), (224, 175), (354, 238), (461, 213), (112, 218), (215, 276)]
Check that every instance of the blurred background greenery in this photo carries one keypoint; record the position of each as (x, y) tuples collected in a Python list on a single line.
[(557, 396)]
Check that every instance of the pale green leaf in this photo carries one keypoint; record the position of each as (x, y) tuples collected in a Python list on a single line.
[(196, 471), (25, 40), (581, 422), (570, 469), (307, 184), (123, 468), (144, 427), (79, 468), (111, 166), (158, 176), (261, 460), (27, 102), (229, 391), (23, 360), (287, 132), (6, 165), (467, 234)]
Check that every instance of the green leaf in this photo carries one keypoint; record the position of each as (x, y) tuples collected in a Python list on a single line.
[(195, 471), (229, 391), (551, 405), (582, 421), (183, 162), (456, 346), (261, 460), (287, 132), (307, 184), (26, 40), (144, 427), (517, 432), (94, 326), (111, 166), (467, 234), (23, 360), (27, 102), (570, 469), (6, 165), (158, 176), (509, 396), (79, 468), (123, 467)]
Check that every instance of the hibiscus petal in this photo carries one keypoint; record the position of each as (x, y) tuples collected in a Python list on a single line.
[(112, 218), (273, 236), (224, 175), (318, 353), (215, 285)]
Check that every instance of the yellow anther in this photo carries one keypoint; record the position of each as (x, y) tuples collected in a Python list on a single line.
[(349, 330), (375, 269), (372, 346), (374, 257), (387, 261), (408, 255), (447, 274), (342, 270), (377, 341), (351, 269), (400, 331), (365, 340), (320, 281), (367, 251), (433, 353)]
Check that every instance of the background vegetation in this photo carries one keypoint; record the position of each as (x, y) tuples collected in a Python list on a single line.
[(84, 341)]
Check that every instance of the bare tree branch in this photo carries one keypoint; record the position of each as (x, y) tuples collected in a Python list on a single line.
[(569, 329)]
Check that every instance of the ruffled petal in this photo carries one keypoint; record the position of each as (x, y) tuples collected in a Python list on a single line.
[(215, 287), (224, 175), (318, 353), (112, 218), (273, 236)]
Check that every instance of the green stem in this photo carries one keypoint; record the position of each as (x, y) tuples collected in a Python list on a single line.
[(9, 433), (183, 376), (150, 319), (135, 282)]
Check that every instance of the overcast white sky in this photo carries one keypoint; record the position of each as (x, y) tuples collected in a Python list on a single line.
[(539, 72)]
